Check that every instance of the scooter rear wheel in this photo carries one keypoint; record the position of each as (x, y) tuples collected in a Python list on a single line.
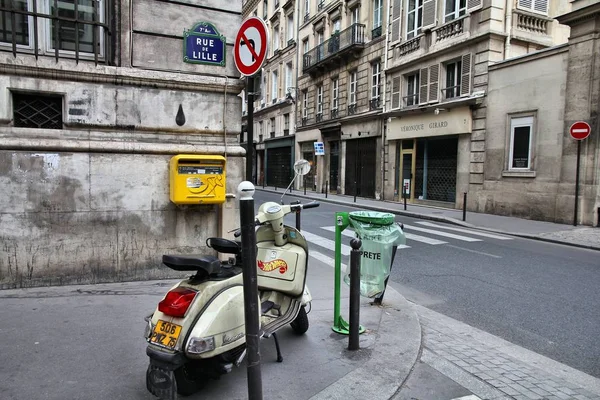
[(188, 383), (300, 324)]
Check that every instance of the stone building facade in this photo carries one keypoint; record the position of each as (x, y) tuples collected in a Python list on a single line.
[(95, 99), (437, 91), (340, 94), (274, 108)]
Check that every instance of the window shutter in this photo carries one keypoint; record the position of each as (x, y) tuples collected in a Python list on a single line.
[(429, 14), (396, 13), (473, 5), (424, 85), (465, 79), (396, 92), (434, 76), (527, 4), (541, 6)]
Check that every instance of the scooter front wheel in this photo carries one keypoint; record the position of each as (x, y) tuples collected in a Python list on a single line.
[(300, 324)]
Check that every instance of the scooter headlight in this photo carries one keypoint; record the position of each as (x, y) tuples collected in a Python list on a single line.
[(201, 345)]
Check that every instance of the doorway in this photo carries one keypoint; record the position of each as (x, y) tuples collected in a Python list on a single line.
[(334, 165), (407, 165), (361, 156)]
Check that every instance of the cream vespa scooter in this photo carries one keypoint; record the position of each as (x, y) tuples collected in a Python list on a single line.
[(197, 331)]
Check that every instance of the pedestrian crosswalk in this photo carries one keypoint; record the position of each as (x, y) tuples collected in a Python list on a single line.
[(324, 239)]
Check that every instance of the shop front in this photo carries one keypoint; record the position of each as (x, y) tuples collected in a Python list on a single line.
[(426, 155)]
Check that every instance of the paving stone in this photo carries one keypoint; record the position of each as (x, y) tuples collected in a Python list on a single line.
[(566, 390), (509, 391), (540, 391), (562, 395), (582, 397)]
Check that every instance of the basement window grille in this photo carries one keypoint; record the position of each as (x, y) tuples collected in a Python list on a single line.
[(37, 111)]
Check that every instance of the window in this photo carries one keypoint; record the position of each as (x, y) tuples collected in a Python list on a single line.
[(37, 111), (290, 27), (320, 37), (537, 6), (76, 27), (352, 91), (260, 131), (412, 90), (275, 38), (263, 87), (288, 76), (336, 26), (454, 9), (375, 80), (414, 18), (286, 124), (334, 94), (453, 80), (377, 8), (521, 132), (265, 9), (319, 101), (305, 46), (272, 125), (304, 104), (356, 15), (306, 9), (274, 88)]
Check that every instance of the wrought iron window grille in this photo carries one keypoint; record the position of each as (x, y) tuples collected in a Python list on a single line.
[(374, 104), (65, 29), (319, 117), (304, 121), (375, 33), (37, 111), (334, 113), (352, 109)]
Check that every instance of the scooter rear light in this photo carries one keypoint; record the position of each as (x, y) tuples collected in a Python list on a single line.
[(177, 302)]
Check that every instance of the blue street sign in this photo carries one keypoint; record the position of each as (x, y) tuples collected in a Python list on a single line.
[(203, 44)]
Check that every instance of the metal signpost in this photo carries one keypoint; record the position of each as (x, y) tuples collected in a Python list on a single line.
[(249, 54), (579, 131), (203, 44)]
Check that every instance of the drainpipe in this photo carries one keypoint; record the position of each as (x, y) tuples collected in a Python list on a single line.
[(298, 56), (383, 99), (508, 27), (224, 116)]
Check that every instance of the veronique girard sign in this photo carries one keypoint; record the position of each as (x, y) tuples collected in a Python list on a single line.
[(451, 122)]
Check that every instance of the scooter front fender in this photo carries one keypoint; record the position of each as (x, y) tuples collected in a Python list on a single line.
[(222, 319), (306, 296)]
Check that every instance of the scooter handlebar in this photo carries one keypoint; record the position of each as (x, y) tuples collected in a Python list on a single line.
[(312, 204), (238, 231)]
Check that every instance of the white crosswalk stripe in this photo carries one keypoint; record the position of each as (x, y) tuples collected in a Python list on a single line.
[(350, 233), (477, 233), (325, 259), (439, 233), (423, 239), (326, 243)]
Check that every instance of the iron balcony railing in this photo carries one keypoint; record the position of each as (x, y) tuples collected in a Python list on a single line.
[(334, 113), (321, 5), (319, 117), (352, 36), (375, 33), (374, 104), (451, 92), (352, 109), (306, 17), (411, 100)]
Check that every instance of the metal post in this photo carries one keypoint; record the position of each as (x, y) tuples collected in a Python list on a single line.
[(298, 211), (251, 314), (355, 190), (404, 195), (326, 188), (465, 206), (250, 130), (353, 339), (304, 184), (577, 182)]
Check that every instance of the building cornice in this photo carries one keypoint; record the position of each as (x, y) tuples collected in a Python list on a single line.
[(581, 15), (562, 48), (248, 6)]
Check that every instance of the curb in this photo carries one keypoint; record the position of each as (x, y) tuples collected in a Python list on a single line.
[(394, 354), (438, 219)]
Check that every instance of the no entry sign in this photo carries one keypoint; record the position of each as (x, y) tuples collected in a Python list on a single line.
[(580, 130), (250, 47)]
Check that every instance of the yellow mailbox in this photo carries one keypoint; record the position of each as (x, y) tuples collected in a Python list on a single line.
[(197, 179)]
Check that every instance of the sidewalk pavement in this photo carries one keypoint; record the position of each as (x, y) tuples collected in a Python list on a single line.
[(578, 236)]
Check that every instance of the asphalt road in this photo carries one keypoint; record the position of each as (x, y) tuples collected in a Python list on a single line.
[(538, 295)]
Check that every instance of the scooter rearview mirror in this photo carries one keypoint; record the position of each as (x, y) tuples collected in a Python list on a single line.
[(301, 168)]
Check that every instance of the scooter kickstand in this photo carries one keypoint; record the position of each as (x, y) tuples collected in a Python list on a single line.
[(279, 357)]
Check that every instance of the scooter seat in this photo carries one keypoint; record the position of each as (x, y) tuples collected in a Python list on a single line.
[(193, 262)]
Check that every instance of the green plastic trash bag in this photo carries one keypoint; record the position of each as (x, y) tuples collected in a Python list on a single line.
[(379, 234)]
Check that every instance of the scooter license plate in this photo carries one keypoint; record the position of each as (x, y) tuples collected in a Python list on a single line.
[(165, 334)]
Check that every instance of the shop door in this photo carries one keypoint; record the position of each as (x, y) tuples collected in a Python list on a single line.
[(309, 179), (279, 167), (334, 165), (361, 156)]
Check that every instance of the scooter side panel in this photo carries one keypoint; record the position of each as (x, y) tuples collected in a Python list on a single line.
[(222, 319)]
